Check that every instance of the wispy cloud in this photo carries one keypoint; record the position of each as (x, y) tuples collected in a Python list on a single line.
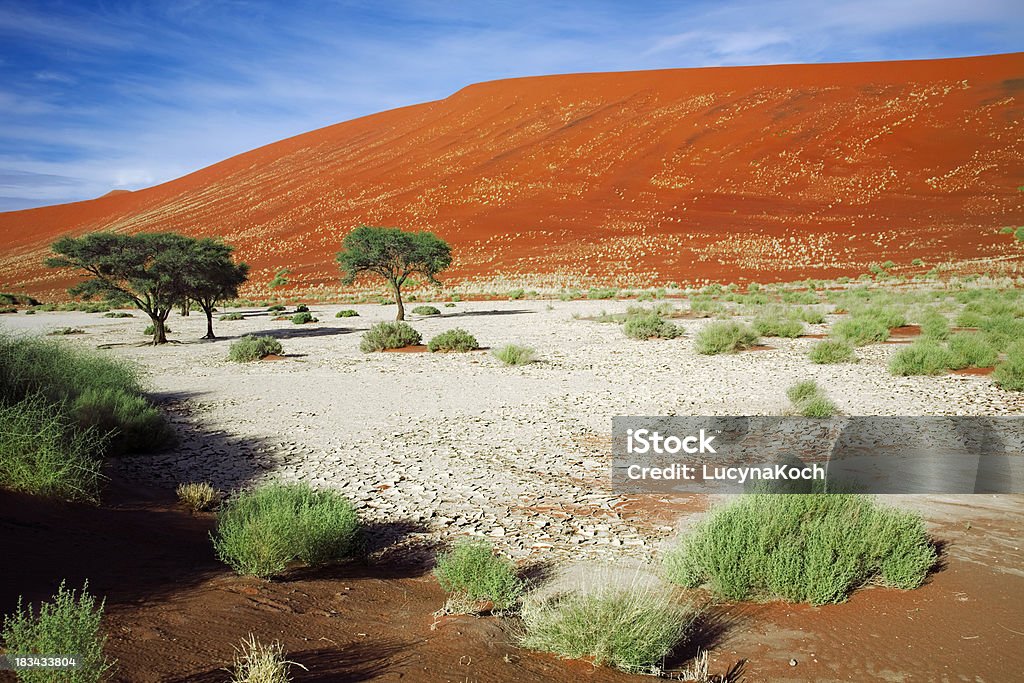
[(101, 95)]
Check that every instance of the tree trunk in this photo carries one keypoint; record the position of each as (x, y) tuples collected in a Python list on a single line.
[(398, 298), (184, 307), (159, 330), (209, 324)]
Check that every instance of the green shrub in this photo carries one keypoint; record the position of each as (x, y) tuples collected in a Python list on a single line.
[(453, 340), (64, 331), (602, 293), (725, 337), (815, 548), (1009, 374), (232, 316), (650, 326), (516, 294), (1006, 230), (67, 625), (8, 309), (811, 316), (1002, 330), (426, 310), (151, 330), (831, 351), (260, 532), (276, 308), (303, 318), (44, 453), (131, 422), (389, 335), (30, 311), (917, 262), (934, 325), (302, 308), (252, 347), (774, 323), (450, 304), (1018, 234), (860, 331), (513, 354), (923, 357), (346, 313), (117, 314), (630, 628), (471, 573), (970, 350)]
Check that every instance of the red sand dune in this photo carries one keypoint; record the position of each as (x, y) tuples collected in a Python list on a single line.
[(729, 174)]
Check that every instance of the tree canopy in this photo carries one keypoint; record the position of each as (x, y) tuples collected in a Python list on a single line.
[(393, 254), (154, 271)]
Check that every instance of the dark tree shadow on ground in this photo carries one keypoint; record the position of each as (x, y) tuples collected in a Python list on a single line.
[(467, 314)]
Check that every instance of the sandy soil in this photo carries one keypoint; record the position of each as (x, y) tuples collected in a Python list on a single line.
[(438, 446)]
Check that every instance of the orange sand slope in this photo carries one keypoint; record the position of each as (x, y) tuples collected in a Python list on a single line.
[(729, 174)]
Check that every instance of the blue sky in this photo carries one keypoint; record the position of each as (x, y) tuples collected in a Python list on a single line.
[(96, 96)]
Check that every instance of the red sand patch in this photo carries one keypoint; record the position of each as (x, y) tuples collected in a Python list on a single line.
[(905, 332), (760, 347), (728, 174), (273, 356), (418, 348), (982, 372)]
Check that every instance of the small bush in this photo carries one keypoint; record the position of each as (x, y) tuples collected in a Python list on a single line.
[(725, 337), (426, 310), (303, 318), (970, 350), (8, 309), (815, 548), (860, 331), (259, 663), (632, 629), (260, 532), (1018, 234), (602, 293), (276, 308), (776, 324), (197, 496), (63, 331), (450, 304), (831, 351), (151, 330), (1009, 374), (232, 316), (811, 316), (252, 347), (472, 574), (389, 335), (68, 624), (513, 354), (346, 313), (516, 294), (302, 308), (457, 340), (650, 326), (810, 400), (118, 314), (923, 357), (934, 325)]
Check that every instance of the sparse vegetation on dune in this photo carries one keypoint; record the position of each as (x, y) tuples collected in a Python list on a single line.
[(253, 347), (260, 532), (632, 628), (815, 548), (69, 624)]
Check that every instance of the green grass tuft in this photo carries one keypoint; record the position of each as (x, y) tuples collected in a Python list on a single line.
[(776, 323), (815, 548), (832, 351), (725, 337), (262, 531), (923, 357), (810, 399), (472, 574), (971, 350), (457, 340), (514, 354), (1009, 374)]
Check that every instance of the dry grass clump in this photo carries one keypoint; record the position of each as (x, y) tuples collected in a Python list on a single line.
[(197, 496), (514, 354), (259, 663), (810, 399), (632, 628)]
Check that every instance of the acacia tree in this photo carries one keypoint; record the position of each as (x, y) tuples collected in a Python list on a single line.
[(213, 276), (146, 269), (394, 255)]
